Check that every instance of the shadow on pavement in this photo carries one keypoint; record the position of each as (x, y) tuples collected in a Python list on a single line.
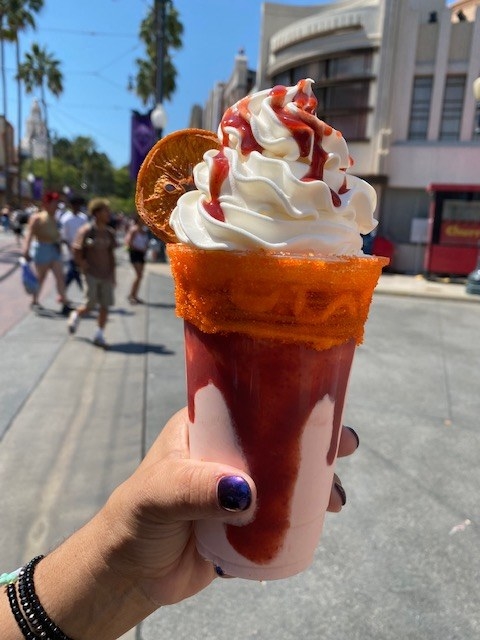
[(136, 348), (44, 312), (155, 305), (132, 348)]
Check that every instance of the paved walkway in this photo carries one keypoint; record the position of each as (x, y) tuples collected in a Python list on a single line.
[(76, 420)]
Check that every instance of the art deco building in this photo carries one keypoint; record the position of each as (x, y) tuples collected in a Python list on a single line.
[(396, 77)]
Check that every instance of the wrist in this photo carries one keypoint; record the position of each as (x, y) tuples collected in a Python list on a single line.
[(83, 592)]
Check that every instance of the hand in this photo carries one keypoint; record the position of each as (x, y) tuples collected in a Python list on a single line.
[(154, 512), (155, 508)]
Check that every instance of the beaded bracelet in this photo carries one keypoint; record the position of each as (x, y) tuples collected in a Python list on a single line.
[(17, 614), (9, 578), (36, 614), (30, 616)]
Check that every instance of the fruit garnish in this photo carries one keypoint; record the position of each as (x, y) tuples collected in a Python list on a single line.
[(167, 173)]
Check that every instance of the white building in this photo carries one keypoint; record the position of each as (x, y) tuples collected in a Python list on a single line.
[(395, 76), (35, 142)]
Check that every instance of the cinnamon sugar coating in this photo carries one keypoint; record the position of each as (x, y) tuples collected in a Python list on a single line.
[(287, 298)]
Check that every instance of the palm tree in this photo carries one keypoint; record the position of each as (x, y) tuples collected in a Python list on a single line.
[(41, 70), (145, 81), (15, 16)]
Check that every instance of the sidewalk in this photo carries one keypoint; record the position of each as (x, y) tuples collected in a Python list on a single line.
[(418, 286), (76, 421)]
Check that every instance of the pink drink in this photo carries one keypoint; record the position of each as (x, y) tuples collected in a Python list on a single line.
[(269, 346), (275, 410)]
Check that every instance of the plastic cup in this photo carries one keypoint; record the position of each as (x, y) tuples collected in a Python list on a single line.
[(269, 343)]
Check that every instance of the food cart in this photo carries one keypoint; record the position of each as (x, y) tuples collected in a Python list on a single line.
[(454, 229)]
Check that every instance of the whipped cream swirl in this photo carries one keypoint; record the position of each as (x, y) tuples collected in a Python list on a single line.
[(280, 182)]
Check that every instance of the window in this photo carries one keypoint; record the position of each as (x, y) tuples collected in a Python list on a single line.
[(420, 110), (342, 88), (452, 108)]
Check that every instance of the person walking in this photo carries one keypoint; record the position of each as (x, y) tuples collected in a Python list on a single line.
[(70, 223), (93, 252), (137, 240), (44, 233)]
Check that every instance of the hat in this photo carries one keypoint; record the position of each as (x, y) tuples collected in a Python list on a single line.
[(50, 196)]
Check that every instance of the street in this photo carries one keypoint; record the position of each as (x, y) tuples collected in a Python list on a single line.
[(400, 562)]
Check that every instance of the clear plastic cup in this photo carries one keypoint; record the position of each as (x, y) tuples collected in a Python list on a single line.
[(269, 343)]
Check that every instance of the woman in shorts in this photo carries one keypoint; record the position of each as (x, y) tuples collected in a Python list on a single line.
[(46, 253), (137, 240)]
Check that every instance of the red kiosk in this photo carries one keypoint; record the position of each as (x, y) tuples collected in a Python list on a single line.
[(453, 230)]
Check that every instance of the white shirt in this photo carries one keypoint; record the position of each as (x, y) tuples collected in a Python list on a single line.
[(70, 224)]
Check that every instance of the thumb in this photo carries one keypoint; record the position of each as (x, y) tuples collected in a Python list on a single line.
[(185, 489)]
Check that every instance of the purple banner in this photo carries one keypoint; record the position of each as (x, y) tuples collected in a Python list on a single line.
[(37, 188), (142, 139)]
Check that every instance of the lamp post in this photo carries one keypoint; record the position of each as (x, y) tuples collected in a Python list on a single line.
[(159, 119), (31, 182), (158, 115)]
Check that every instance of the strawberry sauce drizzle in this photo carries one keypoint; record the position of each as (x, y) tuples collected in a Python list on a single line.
[(218, 176), (307, 130), (270, 390)]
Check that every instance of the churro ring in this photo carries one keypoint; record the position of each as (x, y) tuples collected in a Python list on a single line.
[(167, 173)]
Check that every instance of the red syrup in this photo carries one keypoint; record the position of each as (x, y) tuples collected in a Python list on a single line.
[(270, 389), (307, 130)]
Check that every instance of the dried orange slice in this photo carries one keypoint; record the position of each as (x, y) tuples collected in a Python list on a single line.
[(167, 173)]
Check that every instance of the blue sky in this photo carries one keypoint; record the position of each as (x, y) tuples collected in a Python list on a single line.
[(97, 43)]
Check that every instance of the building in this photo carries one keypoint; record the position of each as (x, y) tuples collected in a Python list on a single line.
[(225, 94), (396, 78), (35, 141), (8, 161)]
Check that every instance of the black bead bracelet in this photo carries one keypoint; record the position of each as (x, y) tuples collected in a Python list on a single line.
[(30, 616), (17, 614)]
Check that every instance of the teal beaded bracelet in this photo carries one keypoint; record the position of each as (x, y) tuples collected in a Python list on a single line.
[(9, 578)]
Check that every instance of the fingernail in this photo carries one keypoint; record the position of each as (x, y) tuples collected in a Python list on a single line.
[(234, 493), (355, 434), (341, 492), (219, 571)]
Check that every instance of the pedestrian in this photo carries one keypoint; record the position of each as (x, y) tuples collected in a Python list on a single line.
[(43, 239), (94, 253), (138, 552), (137, 240), (70, 223), (6, 218), (17, 223)]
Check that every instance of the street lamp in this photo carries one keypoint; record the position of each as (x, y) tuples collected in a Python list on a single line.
[(476, 94), (159, 119), (31, 182), (158, 115)]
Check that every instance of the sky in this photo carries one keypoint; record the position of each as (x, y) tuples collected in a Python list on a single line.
[(96, 42)]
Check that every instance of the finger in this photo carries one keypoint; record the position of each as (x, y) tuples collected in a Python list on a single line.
[(183, 490), (338, 496), (349, 442), (172, 441)]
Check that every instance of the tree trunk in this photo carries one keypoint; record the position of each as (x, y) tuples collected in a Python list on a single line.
[(19, 123), (6, 146)]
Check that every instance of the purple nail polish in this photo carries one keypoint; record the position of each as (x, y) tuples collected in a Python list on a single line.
[(234, 493), (341, 491), (355, 435)]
